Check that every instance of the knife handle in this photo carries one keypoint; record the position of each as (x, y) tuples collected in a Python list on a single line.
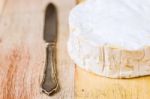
[(50, 83)]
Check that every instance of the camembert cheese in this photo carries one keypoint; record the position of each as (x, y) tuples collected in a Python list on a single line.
[(111, 37)]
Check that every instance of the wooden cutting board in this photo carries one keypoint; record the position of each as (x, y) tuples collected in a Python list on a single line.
[(23, 50), (91, 86), (79, 1)]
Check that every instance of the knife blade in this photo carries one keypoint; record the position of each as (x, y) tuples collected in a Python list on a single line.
[(50, 84)]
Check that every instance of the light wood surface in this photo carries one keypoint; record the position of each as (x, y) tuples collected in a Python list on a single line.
[(91, 86), (22, 49), (79, 1)]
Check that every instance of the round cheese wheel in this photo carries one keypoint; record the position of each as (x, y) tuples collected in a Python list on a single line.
[(111, 37)]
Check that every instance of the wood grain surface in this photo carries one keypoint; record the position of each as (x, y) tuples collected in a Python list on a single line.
[(91, 86), (22, 49), (79, 1)]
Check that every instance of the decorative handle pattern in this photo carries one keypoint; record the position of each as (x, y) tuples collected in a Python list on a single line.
[(50, 83)]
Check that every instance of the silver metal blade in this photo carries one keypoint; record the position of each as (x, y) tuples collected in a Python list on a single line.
[(50, 27)]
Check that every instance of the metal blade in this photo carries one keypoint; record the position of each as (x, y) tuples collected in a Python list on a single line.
[(50, 28)]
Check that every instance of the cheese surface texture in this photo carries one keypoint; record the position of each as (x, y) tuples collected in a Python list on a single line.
[(111, 37)]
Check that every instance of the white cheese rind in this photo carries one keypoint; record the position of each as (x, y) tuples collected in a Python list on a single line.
[(108, 61), (110, 45)]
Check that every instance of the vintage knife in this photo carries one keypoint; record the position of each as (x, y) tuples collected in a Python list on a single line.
[(50, 84)]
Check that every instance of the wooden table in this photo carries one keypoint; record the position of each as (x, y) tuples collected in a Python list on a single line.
[(22, 49), (91, 86)]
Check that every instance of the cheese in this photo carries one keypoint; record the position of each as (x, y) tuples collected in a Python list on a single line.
[(111, 37)]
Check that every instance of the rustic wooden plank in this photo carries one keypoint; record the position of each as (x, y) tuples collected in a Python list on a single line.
[(91, 86), (79, 1), (22, 49)]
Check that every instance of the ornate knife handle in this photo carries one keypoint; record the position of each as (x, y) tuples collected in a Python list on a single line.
[(50, 83)]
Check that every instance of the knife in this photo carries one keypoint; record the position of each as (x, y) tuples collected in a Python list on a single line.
[(49, 83)]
